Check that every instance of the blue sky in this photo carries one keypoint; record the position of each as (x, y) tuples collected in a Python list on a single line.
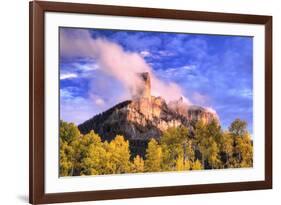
[(212, 70)]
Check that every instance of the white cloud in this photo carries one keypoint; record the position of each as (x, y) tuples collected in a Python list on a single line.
[(200, 99), (145, 53), (75, 109), (99, 101), (78, 70), (189, 67), (246, 93), (87, 67), (166, 53), (176, 72), (64, 76), (116, 62), (65, 93)]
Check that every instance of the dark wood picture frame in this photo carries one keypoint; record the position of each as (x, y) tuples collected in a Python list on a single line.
[(37, 194)]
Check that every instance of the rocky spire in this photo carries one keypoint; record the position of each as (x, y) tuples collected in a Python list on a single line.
[(144, 89)]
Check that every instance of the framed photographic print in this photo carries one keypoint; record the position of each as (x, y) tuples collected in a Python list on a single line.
[(138, 102)]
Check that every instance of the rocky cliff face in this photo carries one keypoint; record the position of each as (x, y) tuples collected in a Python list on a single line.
[(192, 112), (143, 118)]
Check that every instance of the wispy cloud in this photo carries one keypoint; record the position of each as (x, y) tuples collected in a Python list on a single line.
[(145, 53), (245, 93), (65, 94), (86, 67), (200, 99), (77, 109), (115, 61), (166, 53), (176, 73), (217, 68), (189, 67), (64, 76)]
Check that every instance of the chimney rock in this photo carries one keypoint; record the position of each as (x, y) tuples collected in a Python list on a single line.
[(144, 90)]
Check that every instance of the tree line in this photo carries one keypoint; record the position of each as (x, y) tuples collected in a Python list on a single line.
[(205, 146)]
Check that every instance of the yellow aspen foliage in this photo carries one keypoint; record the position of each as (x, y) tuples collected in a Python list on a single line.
[(197, 165), (213, 156), (208, 138), (68, 132), (245, 148), (66, 163), (118, 156), (238, 127), (138, 164), (92, 154), (176, 143), (69, 135), (178, 148), (182, 165), (153, 157)]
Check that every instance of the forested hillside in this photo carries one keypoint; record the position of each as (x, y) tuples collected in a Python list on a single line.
[(207, 146)]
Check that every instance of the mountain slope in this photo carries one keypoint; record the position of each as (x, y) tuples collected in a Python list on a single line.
[(144, 117)]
